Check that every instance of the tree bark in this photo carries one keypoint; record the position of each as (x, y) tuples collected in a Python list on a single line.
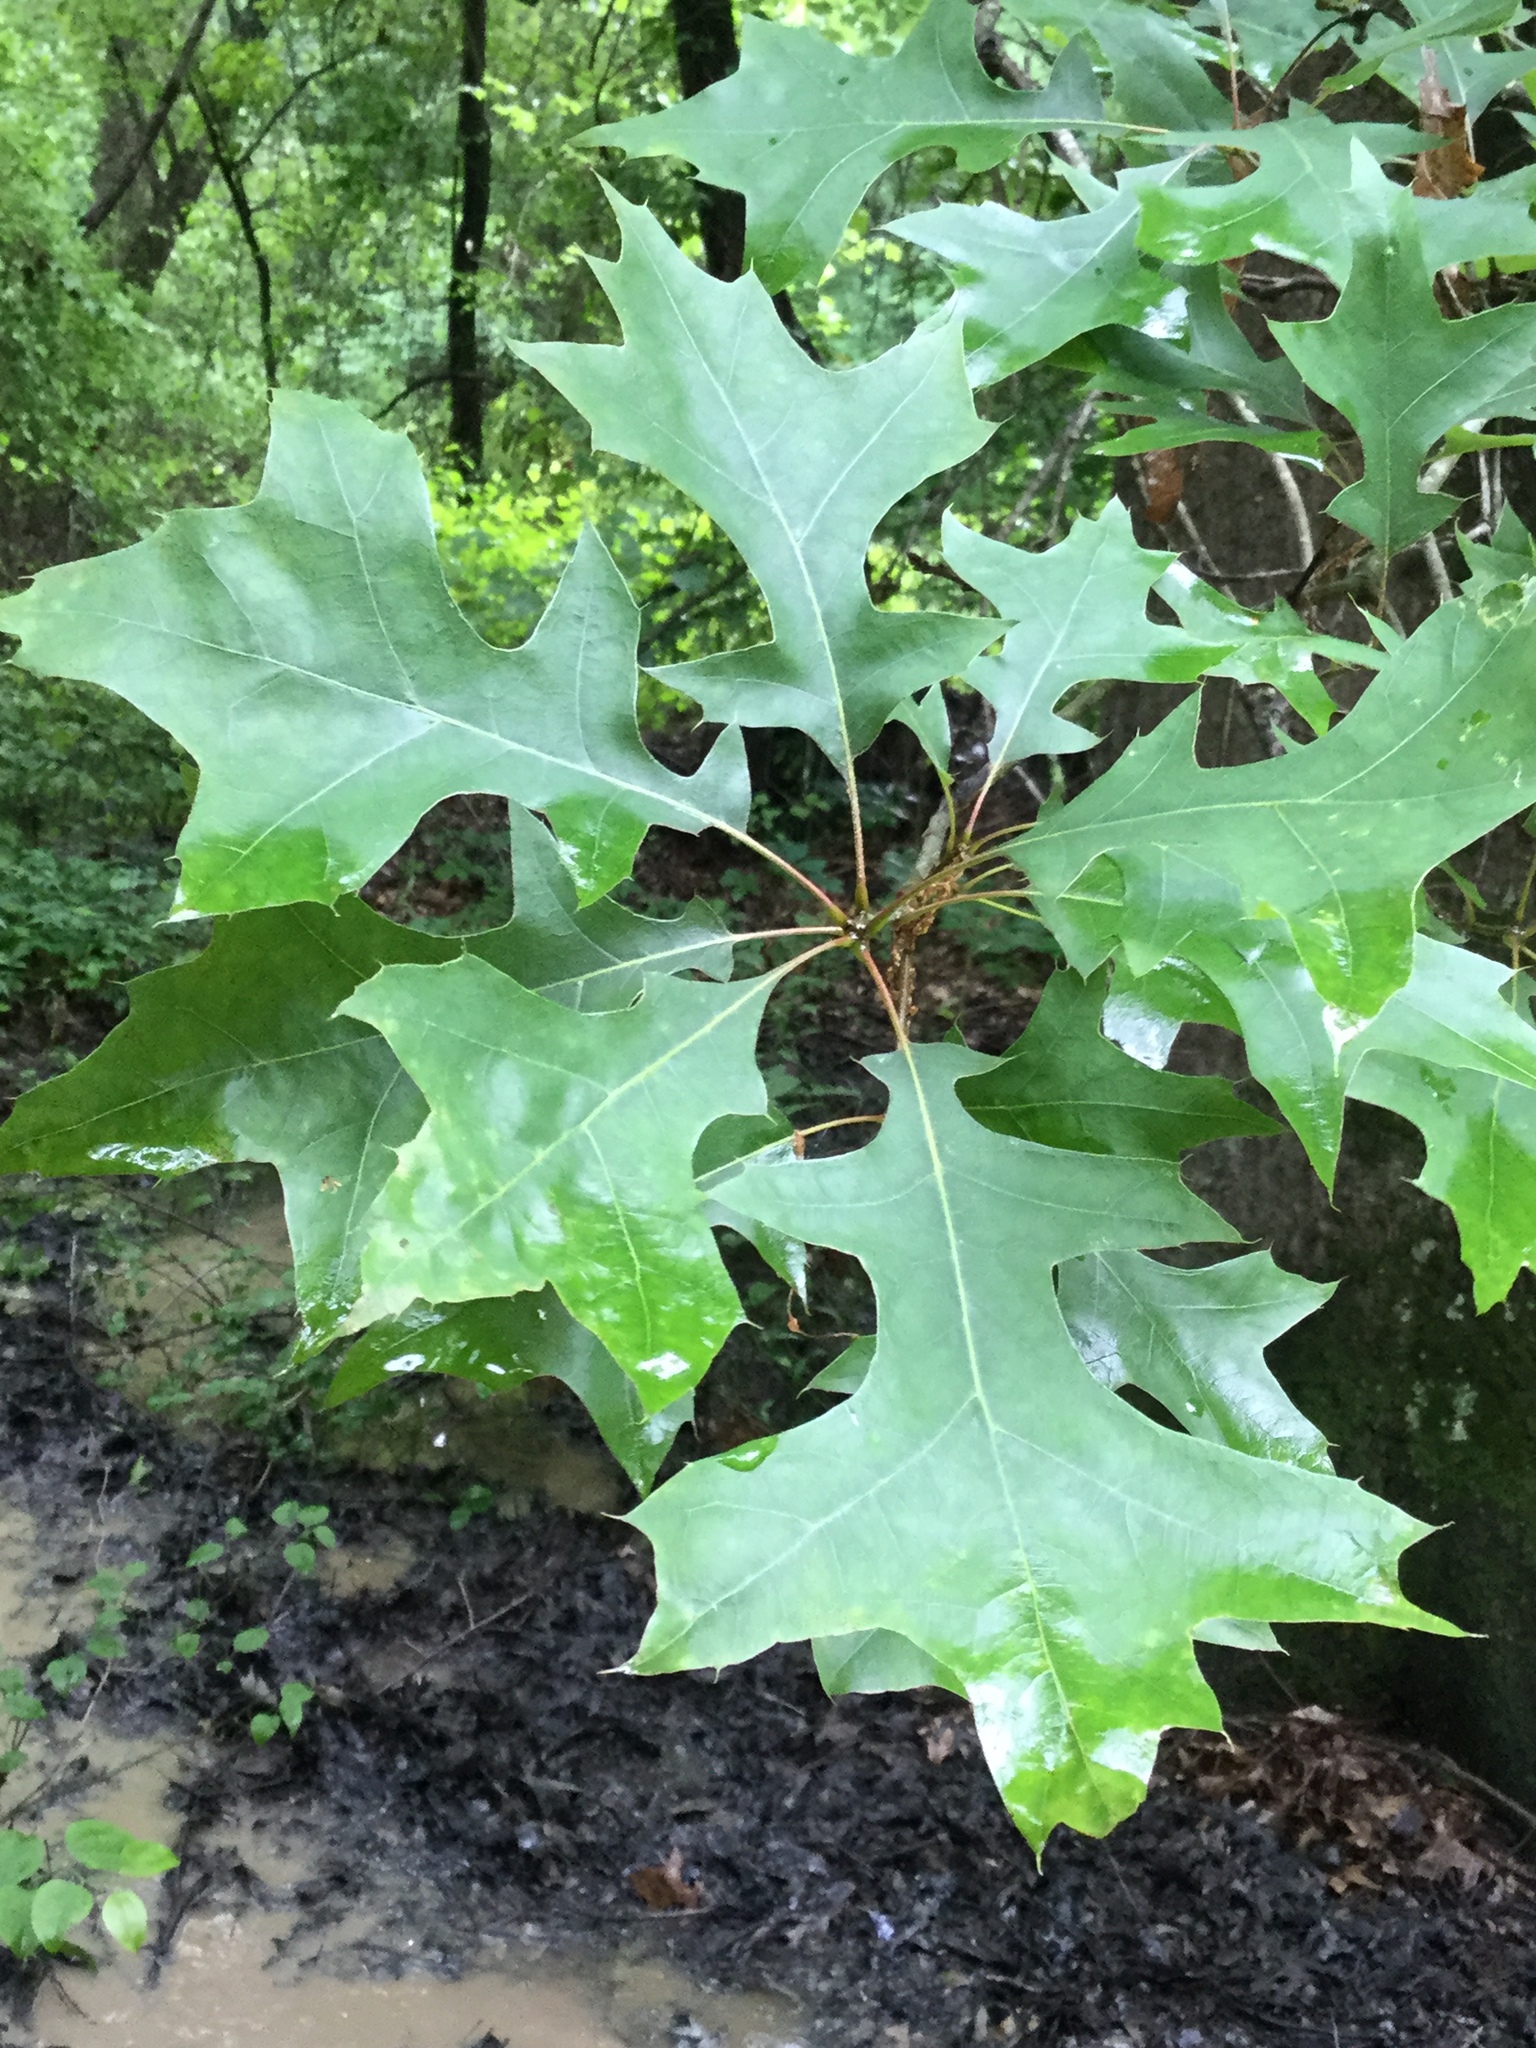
[(107, 200), (466, 429), (705, 33)]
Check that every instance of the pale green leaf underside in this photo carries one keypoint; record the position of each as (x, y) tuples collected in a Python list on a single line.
[(1081, 613), (1400, 372), (804, 128)]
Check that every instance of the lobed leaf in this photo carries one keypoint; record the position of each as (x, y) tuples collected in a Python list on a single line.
[(1065, 1084), (559, 1149), (1326, 846), (1401, 373), (796, 463), (1025, 287), (1081, 615), (981, 1495), (804, 128), (1195, 1341), (497, 1344), (311, 631)]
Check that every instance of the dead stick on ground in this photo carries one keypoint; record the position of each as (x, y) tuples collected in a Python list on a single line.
[(454, 1641)]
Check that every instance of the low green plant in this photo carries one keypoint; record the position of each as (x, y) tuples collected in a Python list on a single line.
[(40, 1909), (506, 1154)]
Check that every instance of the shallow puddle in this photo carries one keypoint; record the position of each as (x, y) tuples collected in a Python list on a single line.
[(228, 1987), (255, 1978), (246, 1982)]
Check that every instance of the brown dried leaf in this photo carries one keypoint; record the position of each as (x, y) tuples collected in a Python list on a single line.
[(663, 1887)]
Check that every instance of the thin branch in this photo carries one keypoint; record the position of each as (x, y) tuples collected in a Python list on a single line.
[(767, 853), (872, 969), (835, 1123), (234, 185), (453, 1641), (309, 78), (102, 209), (416, 384), (860, 870)]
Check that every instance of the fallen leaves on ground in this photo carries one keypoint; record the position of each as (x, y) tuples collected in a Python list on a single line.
[(1351, 1799)]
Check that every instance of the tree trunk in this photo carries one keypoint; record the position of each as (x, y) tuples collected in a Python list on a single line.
[(705, 32), (466, 429)]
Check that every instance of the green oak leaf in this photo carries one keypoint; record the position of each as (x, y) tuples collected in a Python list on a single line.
[(1156, 59), (1024, 287), (1301, 200), (1066, 1084), (878, 1660), (237, 1054), (1493, 219), (1326, 845), (1433, 22), (1480, 1158), (981, 1494), (1401, 373), (559, 1150), (505, 1342), (1170, 379), (718, 1157), (1273, 647), (1454, 1054), (804, 128), (311, 631), (796, 463), (1194, 1340), (1186, 429), (1451, 1051), (1271, 34), (1081, 612), (593, 957)]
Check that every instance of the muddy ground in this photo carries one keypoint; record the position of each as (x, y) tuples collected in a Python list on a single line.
[(469, 1782)]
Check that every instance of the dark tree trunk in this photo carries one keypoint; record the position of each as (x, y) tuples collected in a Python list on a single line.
[(707, 52), (466, 429)]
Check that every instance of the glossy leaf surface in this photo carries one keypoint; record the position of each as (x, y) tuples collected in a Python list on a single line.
[(311, 631), (796, 463), (1331, 840), (238, 1054), (504, 1343), (1065, 1084), (982, 1495), (1195, 1341), (559, 1150)]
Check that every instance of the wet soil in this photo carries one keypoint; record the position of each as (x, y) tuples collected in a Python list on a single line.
[(475, 1787)]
